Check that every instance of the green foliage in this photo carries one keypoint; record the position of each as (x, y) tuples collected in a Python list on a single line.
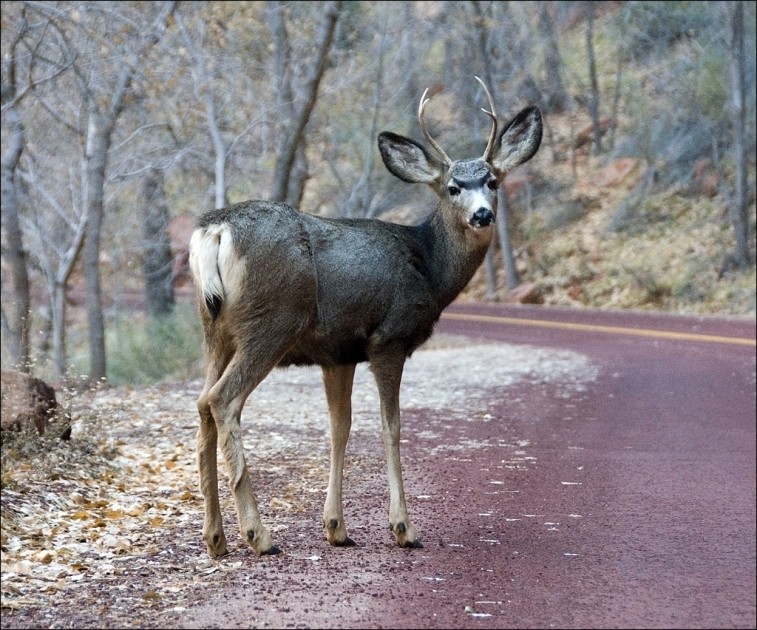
[(712, 87), (158, 349)]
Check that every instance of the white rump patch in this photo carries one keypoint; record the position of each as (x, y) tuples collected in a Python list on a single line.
[(230, 265), (217, 270)]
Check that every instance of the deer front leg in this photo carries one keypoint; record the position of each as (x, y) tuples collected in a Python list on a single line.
[(388, 373), (337, 382)]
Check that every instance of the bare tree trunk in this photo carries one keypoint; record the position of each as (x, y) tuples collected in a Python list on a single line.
[(299, 176), (594, 103), (58, 318), (511, 272), (99, 133), (95, 167), (359, 201), (16, 325), (156, 244), (738, 208), (618, 80), (491, 272), (555, 94), (284, 189), (616, 102), (205, 93), (508, 258)]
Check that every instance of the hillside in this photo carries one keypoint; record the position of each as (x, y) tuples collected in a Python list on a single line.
[(670, 259), (643, 224)]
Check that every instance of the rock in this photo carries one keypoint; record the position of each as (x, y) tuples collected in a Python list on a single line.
[(705, 180), (26, 401), (586, 135), (616, 171), (525, 293)]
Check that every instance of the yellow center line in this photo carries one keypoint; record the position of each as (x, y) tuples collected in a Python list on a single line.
[(615, 330)]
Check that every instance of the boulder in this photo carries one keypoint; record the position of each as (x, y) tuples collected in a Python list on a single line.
[(525, 293), (586, 135), (705, 180), (26, 401), (617, 171)]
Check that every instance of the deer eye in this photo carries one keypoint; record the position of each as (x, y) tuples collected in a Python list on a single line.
[(492, 184), (453, 191)]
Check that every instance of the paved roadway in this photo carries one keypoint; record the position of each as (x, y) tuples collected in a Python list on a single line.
[(637, 509)]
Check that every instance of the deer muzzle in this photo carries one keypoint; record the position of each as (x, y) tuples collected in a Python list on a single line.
[(482, 217)]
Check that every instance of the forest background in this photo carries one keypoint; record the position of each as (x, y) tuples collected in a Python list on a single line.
[(122, 122)]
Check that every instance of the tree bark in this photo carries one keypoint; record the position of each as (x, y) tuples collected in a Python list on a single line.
[(555, 94), (95, 159), (156, 247), (99, 133), (204, 91), (508, 258), (738, 208), (594, 102), (284, 189), (506, 249), (58, 317), (16, 325)]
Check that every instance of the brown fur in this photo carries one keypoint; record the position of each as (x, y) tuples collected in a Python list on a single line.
[(281, 287)]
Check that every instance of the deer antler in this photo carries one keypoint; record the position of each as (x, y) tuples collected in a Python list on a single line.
[(431, 141), (493, 115)]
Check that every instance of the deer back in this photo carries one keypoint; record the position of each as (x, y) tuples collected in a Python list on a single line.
[(342, 289)]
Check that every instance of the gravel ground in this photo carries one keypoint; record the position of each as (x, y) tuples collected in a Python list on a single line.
[(105, 531)]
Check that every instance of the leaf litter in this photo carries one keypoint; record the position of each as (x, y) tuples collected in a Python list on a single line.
[(104, 530)]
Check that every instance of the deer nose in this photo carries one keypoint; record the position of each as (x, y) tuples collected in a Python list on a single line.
[(482, 217)]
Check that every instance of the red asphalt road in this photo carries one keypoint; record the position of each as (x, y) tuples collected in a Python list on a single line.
[(638, 510)]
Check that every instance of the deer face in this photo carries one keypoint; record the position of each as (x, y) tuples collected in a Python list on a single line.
[(468, 186), (471, 187)]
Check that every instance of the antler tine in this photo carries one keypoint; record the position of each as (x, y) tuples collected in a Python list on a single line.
[(493, 115), (431, 141)]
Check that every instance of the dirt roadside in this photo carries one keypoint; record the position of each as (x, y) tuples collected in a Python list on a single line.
[(117, 543)]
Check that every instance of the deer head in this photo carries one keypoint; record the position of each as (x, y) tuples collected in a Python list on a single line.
[(468, 186)]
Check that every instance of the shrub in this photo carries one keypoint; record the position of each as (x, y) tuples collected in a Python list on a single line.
[(156, 349)]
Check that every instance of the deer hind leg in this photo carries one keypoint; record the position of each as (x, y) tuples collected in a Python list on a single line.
[(338, 384), (207, 466), (226, 399), (387, 370)]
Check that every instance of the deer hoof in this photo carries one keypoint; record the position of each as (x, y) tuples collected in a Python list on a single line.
[(405, 535), (216, 549), (412, 544), (273, 551), (261, 542), (216, 545), (336, 534)]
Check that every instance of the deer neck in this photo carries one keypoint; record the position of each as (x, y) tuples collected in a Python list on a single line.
[(454, 254)]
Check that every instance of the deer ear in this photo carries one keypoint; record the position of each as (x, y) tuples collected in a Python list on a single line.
[(408, 160), (518, 141)]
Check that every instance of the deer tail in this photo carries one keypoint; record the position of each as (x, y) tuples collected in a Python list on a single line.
[(212, 261)]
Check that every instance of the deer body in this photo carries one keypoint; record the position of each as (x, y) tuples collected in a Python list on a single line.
[(280, 287)]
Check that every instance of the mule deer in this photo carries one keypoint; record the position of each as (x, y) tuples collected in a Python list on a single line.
[(279, 287)]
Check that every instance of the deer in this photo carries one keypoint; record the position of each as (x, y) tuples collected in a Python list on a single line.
[(280, 287)]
